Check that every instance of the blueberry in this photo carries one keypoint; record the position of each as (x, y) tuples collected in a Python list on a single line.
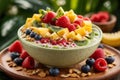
[(90, 62), (18, 61), (101, 46), (37, 37), (85, 68), (32, 34), (28, 31), (54, 71), (110, 59), (14, 55)]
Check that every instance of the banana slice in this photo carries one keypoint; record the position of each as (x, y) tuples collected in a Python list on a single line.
[(112, 39)]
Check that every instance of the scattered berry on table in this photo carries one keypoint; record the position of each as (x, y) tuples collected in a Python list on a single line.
[(28, 63), (110, 59), (90, 62), (37, 37), (15, 47), (85, 68), (28, 31), (54, 71), (18, 61), (99, 53), (100, 65), (14, 55), (32, 34), (101, 46), (24, 54)]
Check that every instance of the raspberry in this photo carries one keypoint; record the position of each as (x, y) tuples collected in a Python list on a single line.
[(99, 53), (100, 65), (63, 21), (28, 63), (15, 47), (71, 27), (79, 22), (48, 18), (80, 16), (24, 54)]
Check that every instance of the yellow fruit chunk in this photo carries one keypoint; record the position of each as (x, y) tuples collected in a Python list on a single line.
[(78, 37), (28, 23), (54, 36), (71, 15), (71, 35), (43, 32), (37, 17), (88, 28), (63, 32), (80, 31), (88, 23)]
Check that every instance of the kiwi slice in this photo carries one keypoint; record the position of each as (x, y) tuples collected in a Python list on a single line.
[(82, 43)]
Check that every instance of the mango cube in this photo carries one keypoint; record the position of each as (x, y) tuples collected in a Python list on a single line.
[(71, 35), (78, 37), (43, 31), (88, 28), (37, 17), (63, 32), (80, 31), (54, 36), (71, 15)]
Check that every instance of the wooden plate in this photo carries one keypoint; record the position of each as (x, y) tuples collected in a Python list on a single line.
[(111, 72)]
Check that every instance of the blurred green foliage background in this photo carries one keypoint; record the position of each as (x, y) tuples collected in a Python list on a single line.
[(13, 13)]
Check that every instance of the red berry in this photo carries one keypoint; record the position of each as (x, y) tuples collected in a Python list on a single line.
[(71, 27), (86, 19), (15, 47), (75, 24), (99, 53), (100, 65), (53, 42), (62, 41), (94, 18), (79, 22), (24, 54), (28, 63), (63, 21), (48, 18), (80, 16), (45, 40), (104, 15)]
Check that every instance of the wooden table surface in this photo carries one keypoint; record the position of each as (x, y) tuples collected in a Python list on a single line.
[(3, 76)]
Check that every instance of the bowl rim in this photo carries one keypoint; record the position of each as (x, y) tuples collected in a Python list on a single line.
[(76, 48)]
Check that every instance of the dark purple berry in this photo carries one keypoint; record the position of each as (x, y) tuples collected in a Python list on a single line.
[(85, 68), (54, 71), (32, 34), (37, 37), (18, 61), (28, 31), (90, 61), (110, 59), (101, 46), (14, 55)]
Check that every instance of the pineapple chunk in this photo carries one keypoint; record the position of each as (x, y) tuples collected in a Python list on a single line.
[(71, 35), (71, 15), (28, 23), (88, 28), (63, 32), (78, 37), (54, 36), (37, 17), (80, 31), (43, 31), (88, 23)]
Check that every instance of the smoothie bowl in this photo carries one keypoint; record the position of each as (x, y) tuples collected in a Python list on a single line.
[(59, 39)]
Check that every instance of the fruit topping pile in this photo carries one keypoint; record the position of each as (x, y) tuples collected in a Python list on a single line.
[(101, 17), (61, 28), (98, 62)]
